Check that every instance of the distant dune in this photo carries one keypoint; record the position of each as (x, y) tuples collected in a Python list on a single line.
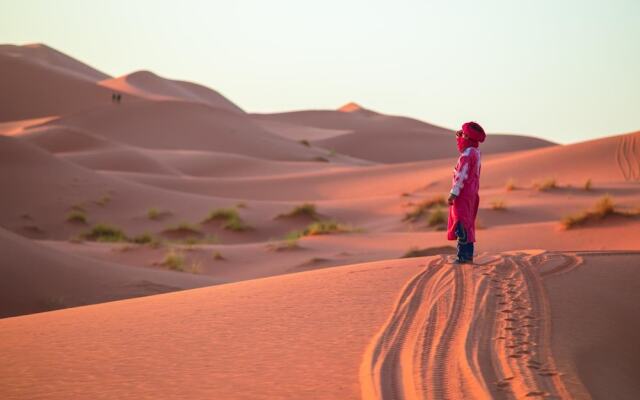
[(148, 85), (389, 139), (45, 56)]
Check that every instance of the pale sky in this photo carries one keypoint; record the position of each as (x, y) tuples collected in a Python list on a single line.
[(559, 69)]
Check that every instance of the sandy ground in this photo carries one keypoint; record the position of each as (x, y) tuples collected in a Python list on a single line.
[(338, 315)]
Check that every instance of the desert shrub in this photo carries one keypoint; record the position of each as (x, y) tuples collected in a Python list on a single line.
[(308, 209), (510, 185), (325, 227), (77, 216), (144, 238), (184, 227), (320, 159), (603, 208), (545, 185), (153, 213), (570, 221), (587, 184), (105, 233), (174, 260), (436, 216), (305, 142), (231, 218), (236, 225), (218, 256), (423, 207), (499, 205), (322, 227), (241, 204)]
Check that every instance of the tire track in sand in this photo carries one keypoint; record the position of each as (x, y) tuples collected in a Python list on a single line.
[(469, 332)]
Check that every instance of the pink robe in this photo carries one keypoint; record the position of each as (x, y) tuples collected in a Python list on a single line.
[(465, 185)]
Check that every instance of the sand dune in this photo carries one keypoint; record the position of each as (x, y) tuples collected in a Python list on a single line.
[(227, 335), (498, 320), (13, 128), (121, 159), (37, 278), (598, 160), (30, 176), (31, 90), (610, 159), (148, 85), (96, 152), (41, 54), (298, 132), (398, 145), (362, 119), (390, 139), (186, 126), (61, 139), (216, 164)]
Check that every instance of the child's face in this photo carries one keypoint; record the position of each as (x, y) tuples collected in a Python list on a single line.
[(462, 140)]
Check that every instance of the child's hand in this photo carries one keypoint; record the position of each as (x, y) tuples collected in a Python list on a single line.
[(451, 198)]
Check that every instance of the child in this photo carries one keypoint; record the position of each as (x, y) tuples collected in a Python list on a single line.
[(463, 197)]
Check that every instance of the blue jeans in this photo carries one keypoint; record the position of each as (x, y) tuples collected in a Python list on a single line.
[(465, 249)]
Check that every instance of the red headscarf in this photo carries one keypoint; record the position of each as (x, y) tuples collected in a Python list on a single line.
[(475, 135)]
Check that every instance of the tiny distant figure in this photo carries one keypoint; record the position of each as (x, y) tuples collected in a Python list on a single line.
[(119, 98), (463, 198), (113, 97)]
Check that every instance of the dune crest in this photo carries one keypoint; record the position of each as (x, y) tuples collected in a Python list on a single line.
[(148, 85)]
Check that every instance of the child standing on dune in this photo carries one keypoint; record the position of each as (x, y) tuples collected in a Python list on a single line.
[(463, 197)]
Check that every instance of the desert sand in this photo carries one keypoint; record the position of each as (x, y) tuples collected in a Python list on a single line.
[(119, 282)]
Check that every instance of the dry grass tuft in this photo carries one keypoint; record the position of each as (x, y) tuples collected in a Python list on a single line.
[(231, 218), (421, 208), (106, 233), (322, 227), (603, 208), (436, 216), (305, 209), (77, 216), (545, 185), (498, 205)]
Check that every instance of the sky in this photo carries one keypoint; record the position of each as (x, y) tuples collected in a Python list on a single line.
[(562, 70)]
